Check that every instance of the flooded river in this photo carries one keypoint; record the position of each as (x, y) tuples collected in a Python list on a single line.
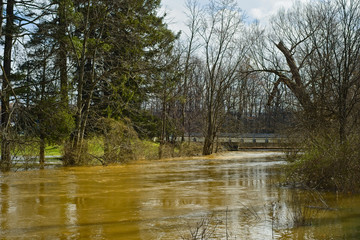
[(232, 196)]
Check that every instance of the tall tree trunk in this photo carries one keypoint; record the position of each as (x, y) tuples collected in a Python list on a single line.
[(79, 118), (5, 103), (163, 126), (88, 90), (185, 90), (342, 115), (62, 55), (209, 139), (183, 107), (41, 117), (1, 15)]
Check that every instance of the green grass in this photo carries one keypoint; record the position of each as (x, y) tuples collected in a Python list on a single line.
[(54, 150), (142, 149), (147, 150), (95, 145)]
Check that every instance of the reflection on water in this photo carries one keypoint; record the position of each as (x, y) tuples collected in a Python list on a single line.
[(165, 199)]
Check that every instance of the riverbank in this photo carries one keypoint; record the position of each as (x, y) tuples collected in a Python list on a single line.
[(95, 154)]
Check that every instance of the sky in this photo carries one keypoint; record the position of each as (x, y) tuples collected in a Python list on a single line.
[(254, 9)]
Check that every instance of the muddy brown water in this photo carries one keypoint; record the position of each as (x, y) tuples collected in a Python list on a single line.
[(231, 196)]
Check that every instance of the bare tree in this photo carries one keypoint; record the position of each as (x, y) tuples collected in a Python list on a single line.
[(224, 52), (313, 49), (336, 60), (193, 24)]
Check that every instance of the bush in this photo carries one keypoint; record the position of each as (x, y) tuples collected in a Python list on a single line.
[(328, 164), (189, 149), (76, 156), (120, 141), (148, 150)]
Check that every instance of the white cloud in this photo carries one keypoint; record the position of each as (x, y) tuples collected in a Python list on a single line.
[(267, 8), (175, 14), (256, 13), (255, 9)]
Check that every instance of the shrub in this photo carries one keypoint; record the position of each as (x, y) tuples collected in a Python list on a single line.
[(120, 141), (329, 164), (147, 150), (189, 149), (76, 156)]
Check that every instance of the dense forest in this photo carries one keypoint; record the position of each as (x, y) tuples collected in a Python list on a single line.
[(74, 70)]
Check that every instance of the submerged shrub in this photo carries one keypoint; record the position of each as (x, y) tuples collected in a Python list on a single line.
[(147, 149), (76, 156), (120, 141), (329, 164), (191, 149), (178, 149)]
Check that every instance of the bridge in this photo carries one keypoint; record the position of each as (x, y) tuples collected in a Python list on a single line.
[(233, 141)]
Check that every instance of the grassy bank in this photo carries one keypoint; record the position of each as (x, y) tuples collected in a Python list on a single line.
[(96, 152)]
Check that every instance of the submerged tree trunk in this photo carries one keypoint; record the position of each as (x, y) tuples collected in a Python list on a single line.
[(42, 151), (209, 136)]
